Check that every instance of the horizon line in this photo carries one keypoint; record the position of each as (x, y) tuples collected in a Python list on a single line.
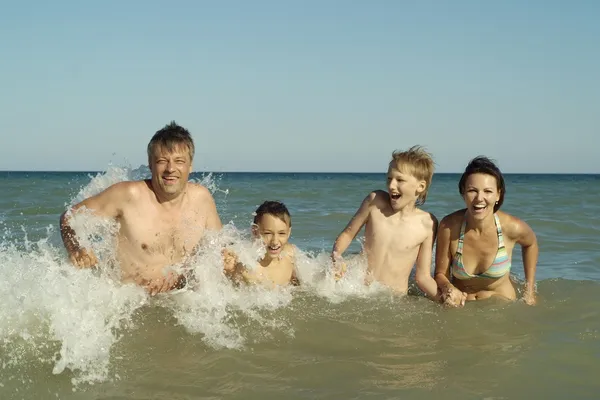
[(299, 172)]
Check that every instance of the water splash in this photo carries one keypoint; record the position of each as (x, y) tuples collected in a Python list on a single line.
[(68, 320)]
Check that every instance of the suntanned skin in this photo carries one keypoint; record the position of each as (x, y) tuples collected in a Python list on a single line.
[(161, 221), (481, 245), (397, 235), (277, 267)]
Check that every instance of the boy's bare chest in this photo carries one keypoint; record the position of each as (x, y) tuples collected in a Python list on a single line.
[(401, 234), (279, 273)]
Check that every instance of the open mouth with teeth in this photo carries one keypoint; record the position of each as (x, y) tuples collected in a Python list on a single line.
[(479, 207), (395, 196), (274, 249)]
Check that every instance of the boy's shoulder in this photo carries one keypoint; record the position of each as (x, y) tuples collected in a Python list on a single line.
[(426, 216), (427, 219), (290, 248), (379, 198)]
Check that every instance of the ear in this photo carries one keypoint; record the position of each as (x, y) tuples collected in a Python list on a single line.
[(254, 229), (421, 187), (289, 232)]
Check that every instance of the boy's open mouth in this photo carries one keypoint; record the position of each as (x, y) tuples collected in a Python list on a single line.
[(395, 196)]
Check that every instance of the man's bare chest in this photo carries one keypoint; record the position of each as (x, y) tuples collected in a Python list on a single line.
[(161, 233)]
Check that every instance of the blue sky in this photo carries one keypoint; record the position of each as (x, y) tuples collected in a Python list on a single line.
[(301, 85)]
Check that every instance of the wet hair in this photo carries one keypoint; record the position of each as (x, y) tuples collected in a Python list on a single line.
[(483, 165), (170, 137), (418, 163), (274, 208)]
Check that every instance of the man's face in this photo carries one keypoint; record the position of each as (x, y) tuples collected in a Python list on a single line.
[(170, 169)]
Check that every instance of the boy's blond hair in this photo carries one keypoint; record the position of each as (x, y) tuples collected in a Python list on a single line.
[(418, 163)]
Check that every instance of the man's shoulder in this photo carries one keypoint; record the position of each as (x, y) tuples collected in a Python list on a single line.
[(199, 191), (127, 189)]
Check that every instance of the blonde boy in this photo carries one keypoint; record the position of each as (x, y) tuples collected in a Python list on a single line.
[(398, 234), (273, 224)]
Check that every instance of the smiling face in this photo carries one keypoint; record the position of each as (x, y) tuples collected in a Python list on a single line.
[(481, 194), (274, 233), (404, 189), (170, 170)]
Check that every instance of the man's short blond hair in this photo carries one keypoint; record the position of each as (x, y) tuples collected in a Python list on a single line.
[(418, 163)]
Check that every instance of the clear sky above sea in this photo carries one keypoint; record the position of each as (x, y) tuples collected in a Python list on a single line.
[(312, 85)]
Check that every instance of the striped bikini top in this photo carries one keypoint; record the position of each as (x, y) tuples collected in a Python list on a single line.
[(499, 267)]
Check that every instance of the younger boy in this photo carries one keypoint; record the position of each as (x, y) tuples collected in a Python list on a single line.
[(273, 224), (397, 233)]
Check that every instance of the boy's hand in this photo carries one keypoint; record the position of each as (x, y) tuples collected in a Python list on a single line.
[(339, 266), (229, 260), (453, 297)]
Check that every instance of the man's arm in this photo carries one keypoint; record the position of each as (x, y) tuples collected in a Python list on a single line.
[(104, 204), (213, 221), (423, 275)]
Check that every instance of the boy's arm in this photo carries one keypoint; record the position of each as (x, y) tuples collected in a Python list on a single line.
[(107, 203), (423, 270), (294, 279), (449, 294), (232, 268), (354, 226)]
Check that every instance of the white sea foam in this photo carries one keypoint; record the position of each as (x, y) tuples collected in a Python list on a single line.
[(70, 319)]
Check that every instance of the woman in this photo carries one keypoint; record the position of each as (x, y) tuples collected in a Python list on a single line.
[(475, 244)]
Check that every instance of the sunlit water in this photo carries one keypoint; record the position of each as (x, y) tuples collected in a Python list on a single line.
[(80, 334)]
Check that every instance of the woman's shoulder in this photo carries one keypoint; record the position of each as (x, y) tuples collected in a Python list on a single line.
[(454, 218), (511, 225)]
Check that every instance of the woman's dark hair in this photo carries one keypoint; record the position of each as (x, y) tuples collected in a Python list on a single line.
[(483, 165)]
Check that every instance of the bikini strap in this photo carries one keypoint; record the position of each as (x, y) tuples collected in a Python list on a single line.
[(499, 231), (461, 237)]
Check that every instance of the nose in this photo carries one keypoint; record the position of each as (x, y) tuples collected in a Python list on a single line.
[(479, 196), (170, 166)]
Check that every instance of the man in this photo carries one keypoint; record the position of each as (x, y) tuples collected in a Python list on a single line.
[(161, 220)]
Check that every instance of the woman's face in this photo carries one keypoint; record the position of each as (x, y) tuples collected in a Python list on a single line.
[(480, 195)]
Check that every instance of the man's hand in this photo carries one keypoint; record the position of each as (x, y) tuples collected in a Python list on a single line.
[(162, 284), (83, 258)]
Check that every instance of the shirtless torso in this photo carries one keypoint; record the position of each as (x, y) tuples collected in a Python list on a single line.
[(161, 221)]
